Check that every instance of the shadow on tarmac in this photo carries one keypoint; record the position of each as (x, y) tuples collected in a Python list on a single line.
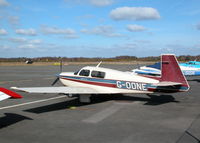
[(153, 100), (162, 99), (10, 119)]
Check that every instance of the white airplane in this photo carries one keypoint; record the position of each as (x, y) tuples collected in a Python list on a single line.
[(5, 94), (97, 80)]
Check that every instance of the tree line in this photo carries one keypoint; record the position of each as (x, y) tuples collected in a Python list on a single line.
[(96, 59)]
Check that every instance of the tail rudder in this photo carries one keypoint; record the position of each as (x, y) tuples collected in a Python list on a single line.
[(171, 72)]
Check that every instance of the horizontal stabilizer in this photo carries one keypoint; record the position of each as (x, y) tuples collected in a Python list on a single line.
[(165, 83)]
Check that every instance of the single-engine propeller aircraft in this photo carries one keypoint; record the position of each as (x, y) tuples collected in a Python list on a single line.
[(97, 80), (5, 94)]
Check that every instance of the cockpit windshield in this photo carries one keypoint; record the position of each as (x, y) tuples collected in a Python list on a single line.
[(76, 72)]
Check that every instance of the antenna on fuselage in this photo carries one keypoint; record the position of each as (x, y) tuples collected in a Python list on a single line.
[(99, 64)]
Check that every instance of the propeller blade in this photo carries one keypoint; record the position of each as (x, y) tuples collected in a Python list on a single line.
[(55, 81)]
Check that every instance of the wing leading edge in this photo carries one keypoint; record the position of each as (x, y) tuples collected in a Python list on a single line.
[(58, 90)]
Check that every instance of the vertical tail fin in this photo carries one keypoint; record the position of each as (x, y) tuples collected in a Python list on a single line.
[(171, 72)]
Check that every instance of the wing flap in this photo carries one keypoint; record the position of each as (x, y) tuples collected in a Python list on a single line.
[(61, 90)]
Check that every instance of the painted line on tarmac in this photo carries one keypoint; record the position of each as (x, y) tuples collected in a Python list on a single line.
[(28, 103)]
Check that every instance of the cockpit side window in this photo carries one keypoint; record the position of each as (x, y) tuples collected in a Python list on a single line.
[(75, 73), (84, 72), (98, 74)]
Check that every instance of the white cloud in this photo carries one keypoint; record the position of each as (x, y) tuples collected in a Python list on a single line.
[(4, 3), (29, 32), (35, 41), (23, 41), (67, 32), (135, 28), (18, 39), (55, 30), (104, 30), (134, 13), (3, 32), (28, 46), (101, 2)]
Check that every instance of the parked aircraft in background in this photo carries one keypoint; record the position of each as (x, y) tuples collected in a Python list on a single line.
[(189, 68), (5, 94), (97, 80)]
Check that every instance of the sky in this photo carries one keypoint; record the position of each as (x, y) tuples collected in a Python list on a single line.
[(99, 28)]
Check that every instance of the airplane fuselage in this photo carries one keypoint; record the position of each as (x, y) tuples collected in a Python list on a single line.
[(112, 81)]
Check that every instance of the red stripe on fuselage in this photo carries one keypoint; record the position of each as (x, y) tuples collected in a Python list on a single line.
[(93, 83)]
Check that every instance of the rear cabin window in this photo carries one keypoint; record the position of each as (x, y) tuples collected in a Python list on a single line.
[(84, 73), (98, 74)]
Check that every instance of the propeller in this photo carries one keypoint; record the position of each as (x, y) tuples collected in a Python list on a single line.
[(57, 79)]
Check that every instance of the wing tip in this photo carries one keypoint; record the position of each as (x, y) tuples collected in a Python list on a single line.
[(10, 93)]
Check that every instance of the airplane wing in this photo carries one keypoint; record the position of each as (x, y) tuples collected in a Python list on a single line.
[(59, 90), (5, 94)]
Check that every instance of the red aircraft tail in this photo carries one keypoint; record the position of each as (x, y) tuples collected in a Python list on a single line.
[(171, 72)]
